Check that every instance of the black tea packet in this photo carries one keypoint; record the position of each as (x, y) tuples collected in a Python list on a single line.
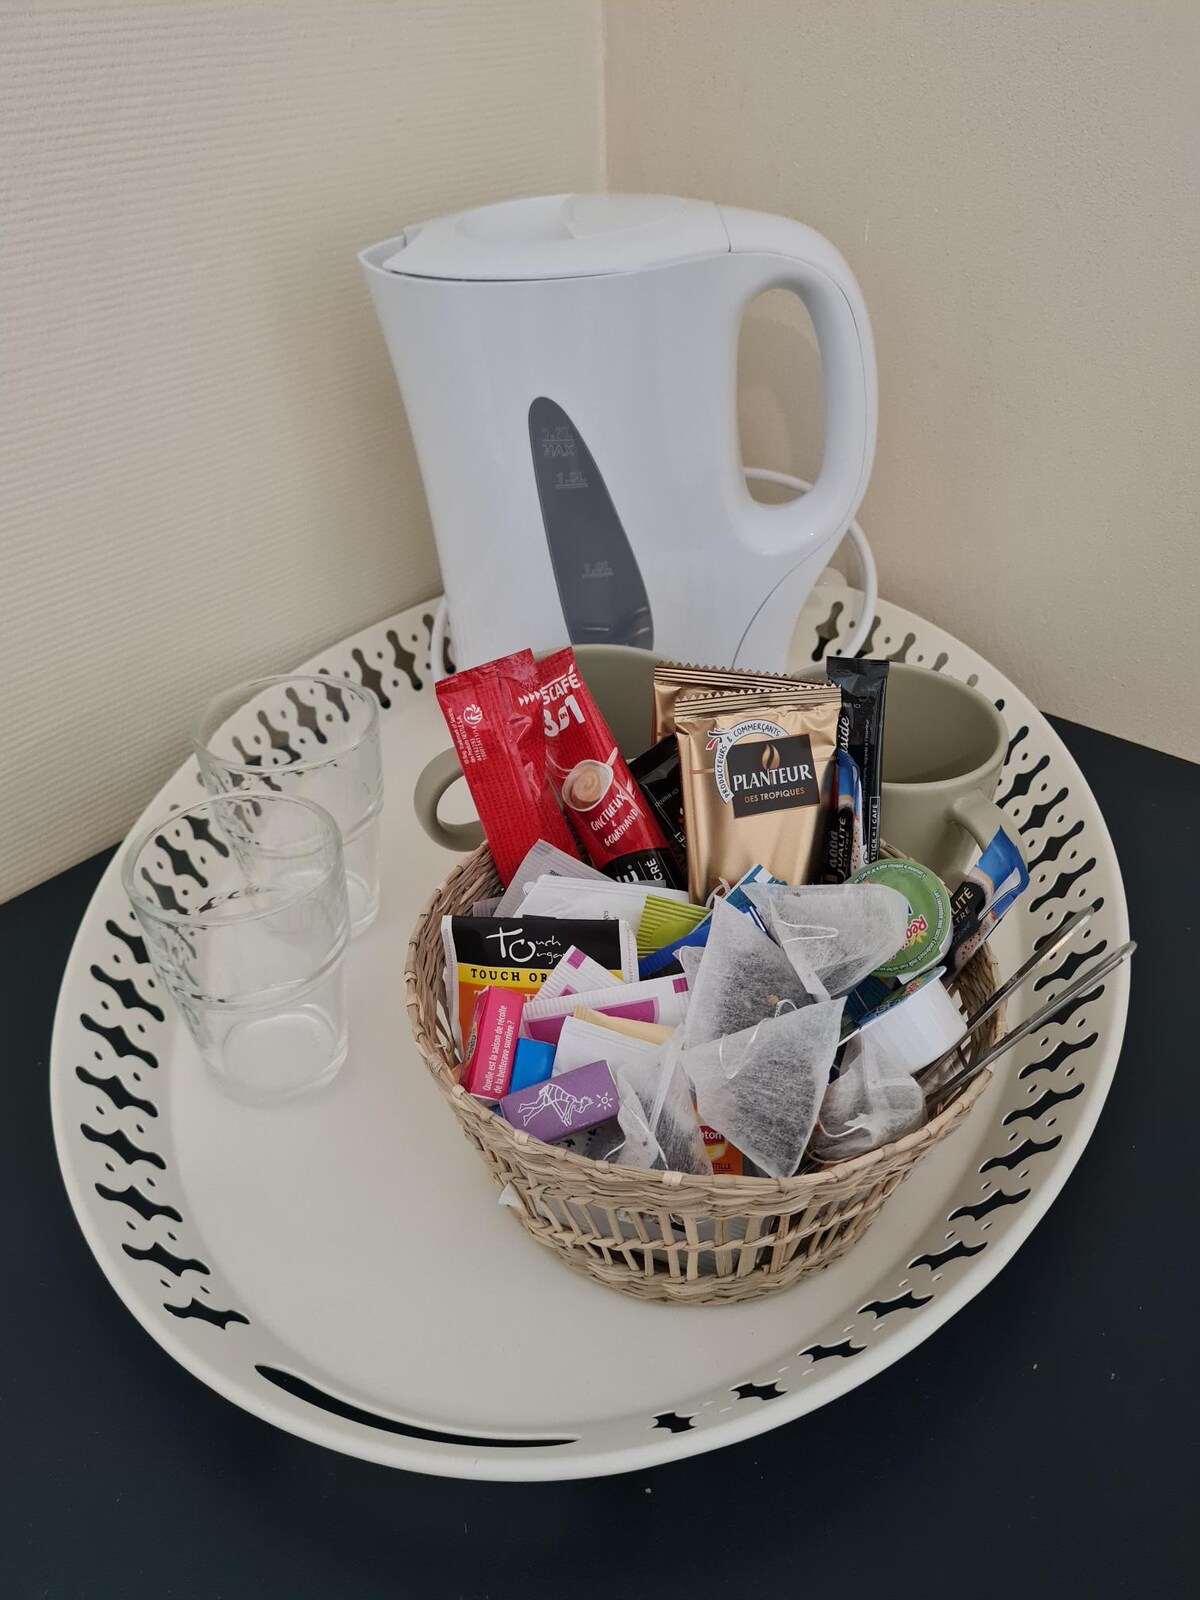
[(860, 733), (656, 772)]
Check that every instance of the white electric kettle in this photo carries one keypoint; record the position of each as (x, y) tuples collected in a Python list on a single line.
[(569, 368)]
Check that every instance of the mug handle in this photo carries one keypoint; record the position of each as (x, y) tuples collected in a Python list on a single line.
[(435, 779), (981, 817)]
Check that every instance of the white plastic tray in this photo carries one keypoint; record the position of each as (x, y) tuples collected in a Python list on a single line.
[(341, 1267)]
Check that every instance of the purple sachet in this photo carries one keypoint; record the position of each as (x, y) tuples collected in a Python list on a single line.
[(572, 1103)]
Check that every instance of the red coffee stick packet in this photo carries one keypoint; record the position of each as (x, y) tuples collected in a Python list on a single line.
[(494, 714), (619, 832)]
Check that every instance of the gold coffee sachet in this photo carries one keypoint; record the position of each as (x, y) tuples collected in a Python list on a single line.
[(673, 679), (756, 769)]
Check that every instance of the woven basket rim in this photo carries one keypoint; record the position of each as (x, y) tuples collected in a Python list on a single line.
[(730, 1187)]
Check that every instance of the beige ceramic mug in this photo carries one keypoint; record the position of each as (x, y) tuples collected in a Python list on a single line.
[(943, 748)]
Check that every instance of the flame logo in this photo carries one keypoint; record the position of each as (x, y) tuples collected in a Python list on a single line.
[(769, 758)]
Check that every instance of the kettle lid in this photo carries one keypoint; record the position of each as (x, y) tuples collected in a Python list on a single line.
[(561, 236)]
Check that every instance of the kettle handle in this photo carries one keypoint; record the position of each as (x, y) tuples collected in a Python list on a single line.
[(800, 259)]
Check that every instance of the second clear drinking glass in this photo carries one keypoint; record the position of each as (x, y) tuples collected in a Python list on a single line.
[(242, 901), (313, 737)]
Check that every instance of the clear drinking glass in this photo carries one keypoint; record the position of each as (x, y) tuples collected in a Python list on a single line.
[(242, 901), (313, 737)]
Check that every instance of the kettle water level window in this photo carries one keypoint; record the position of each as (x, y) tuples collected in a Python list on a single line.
[(600, 586)]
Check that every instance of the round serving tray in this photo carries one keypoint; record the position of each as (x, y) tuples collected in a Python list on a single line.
[(340, 1265)]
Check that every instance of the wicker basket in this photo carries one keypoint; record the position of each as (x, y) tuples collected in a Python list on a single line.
[(667, 1236)]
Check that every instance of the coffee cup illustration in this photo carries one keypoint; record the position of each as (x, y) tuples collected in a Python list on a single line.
[(586, 785)]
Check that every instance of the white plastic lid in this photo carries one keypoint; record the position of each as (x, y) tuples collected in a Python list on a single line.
[(562, 236)]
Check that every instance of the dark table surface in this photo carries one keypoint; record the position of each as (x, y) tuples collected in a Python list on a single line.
[(1043, 1441)]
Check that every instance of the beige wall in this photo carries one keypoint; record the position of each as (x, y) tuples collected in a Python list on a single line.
[(205, 465), (206, 469), (1015, 187)]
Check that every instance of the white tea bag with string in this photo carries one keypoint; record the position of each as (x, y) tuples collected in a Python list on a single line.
[(872, 1101), (763, 1087), (834, 934), (737, 979), (638, 1146), (658, 1117)]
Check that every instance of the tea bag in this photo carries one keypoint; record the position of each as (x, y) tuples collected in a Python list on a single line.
[(762, 1087), (871, 1102), (658, 1118), (738, 978), (638, 1146), (834, 934)]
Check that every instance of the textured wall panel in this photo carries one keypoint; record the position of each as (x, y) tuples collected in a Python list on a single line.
[(206, 471), (1015, 186)]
